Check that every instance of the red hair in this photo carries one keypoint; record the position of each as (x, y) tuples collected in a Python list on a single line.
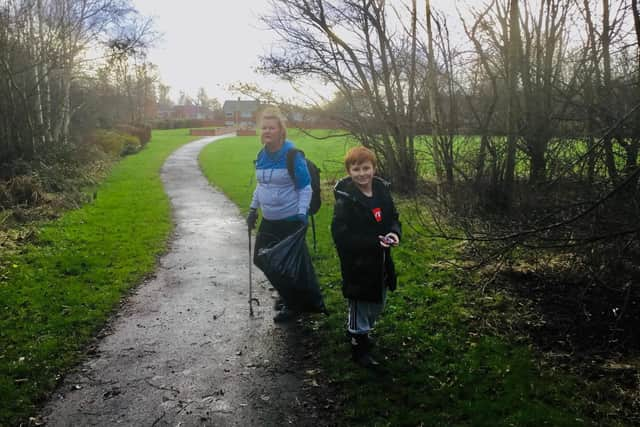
[(358, 155)]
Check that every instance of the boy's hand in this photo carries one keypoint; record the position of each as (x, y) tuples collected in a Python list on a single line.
[(390, 239)]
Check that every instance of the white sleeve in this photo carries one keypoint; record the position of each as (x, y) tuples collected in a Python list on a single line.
[(255, 202), (304, 199)]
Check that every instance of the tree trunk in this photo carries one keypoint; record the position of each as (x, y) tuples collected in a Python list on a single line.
[(36, 56), (606, 90), (635, 9), (480, 161), (411, 104), (538, 163), (512, 94), (44, 88), (432, 88)]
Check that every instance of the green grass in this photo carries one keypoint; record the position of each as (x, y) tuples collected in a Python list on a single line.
[(439, 371), (233, 168), (57, 291), (564, 157)]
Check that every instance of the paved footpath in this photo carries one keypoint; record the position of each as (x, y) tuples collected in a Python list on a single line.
[(183, 350)]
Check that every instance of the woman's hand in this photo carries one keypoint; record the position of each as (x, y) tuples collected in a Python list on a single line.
[(303, 219), (389, 239), (252, 218)]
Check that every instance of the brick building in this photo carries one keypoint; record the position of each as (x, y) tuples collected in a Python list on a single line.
[(241, 113)]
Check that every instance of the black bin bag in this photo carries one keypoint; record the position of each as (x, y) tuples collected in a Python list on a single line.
[(288, 266)]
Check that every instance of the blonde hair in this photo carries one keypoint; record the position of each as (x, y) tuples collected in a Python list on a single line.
[(273, 113), (358, 155)]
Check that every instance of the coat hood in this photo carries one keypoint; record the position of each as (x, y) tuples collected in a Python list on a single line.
[(346, 188)]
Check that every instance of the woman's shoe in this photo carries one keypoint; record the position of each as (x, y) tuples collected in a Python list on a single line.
[(284, 315)]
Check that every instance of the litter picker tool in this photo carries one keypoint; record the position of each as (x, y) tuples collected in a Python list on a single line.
[(251, 298)]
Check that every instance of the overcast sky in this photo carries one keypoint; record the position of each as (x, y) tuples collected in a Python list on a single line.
[(214, 43)]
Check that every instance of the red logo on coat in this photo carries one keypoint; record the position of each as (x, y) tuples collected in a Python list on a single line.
[(377, 214)]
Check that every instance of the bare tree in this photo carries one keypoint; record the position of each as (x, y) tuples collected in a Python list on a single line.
[(608, 96), (542, 72), (512, 72), (442, 141), (350, 45), (482, 99), (46, 43), (635, 10), (497, 41)]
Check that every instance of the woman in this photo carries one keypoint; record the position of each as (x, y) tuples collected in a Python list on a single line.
[(283, 201)]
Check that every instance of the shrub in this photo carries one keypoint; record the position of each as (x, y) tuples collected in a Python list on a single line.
[(6, 201), (15, 167), (141, 131), (116, 143), (131, 145), (22, 190), (144, 134), (108, 141)]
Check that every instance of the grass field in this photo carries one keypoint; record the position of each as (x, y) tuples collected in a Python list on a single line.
[(440, 372), (58, 290)]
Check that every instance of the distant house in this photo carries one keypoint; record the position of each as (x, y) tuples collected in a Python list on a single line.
[(184, 112), (164, 111), (241, 113), (297, 117), (192, 112)]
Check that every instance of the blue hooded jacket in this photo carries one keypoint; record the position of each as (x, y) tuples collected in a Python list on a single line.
[(276, 194)]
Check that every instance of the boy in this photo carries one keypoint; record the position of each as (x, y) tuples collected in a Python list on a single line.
[(365, 226)]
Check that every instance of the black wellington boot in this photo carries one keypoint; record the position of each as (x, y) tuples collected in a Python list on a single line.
[(278, 303), (360, 351), (372, 341)]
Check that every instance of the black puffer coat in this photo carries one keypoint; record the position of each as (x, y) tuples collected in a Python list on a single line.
[(366, 266)]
